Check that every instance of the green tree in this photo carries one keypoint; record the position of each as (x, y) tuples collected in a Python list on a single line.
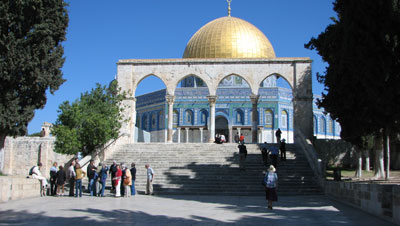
[(361, 82), (31, 57), (89, 122)]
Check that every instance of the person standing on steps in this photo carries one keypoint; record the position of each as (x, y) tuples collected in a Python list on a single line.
[(264, 153), (150, 178), (278, 135), (271, 184), (241, 138), (237, 138), (242, 156), (274, 155), (283, 149)]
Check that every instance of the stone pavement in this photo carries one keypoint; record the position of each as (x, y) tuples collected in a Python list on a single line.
[(182, 210)]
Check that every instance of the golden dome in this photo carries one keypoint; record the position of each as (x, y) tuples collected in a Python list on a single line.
[(229, 37)]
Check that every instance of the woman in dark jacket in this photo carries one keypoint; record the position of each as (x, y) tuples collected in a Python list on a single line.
[(61, 178)]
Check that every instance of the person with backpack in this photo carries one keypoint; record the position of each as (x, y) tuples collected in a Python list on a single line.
[(270, 183), (36, 174)]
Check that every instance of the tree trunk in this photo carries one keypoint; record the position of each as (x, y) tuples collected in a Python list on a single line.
[(386, 148), (2, 142), (359, 162), (367, 162), (378, 157)]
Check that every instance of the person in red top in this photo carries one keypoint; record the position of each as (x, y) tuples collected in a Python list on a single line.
[(117, 181), (241, 139)]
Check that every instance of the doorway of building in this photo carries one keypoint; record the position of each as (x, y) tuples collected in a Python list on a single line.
[(221, 127)]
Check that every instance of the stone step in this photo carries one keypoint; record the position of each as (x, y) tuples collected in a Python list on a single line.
[(213, 169)]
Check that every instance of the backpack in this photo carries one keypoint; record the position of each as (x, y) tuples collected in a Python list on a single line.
[(31, 171)]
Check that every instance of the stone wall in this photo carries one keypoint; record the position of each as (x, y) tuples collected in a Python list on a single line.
[(382, 200), (21, 153), (14, 188)]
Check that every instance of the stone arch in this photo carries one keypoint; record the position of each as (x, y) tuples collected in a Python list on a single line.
[(141, 78), (238, 116), (220, 78), (203, 113), (322, 125), (207, 85), (278, 75)]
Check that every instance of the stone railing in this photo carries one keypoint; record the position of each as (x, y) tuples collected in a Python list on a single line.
[(14, 188), (306, 146), (382, 200)]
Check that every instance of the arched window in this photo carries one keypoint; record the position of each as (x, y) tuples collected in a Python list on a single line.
[(203, 116), (145, 122), (189, 117), (315, 125), (322, 125), (153, 121), (239, 117), (176, 118), (284, 120), (160, 119), (269, 117), (330, 126)]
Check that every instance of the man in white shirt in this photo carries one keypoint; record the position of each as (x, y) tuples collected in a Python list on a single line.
[(36, 174), (150, 177), (71, 175)]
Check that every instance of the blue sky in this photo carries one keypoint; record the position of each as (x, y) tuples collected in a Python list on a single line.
[(101, 32)]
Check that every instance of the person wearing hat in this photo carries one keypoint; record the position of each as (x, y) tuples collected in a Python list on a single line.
[(271, 183), (283, 149)]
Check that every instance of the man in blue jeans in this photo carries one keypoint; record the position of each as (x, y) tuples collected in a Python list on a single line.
[(91, 170), (133, 173), (103, 179)]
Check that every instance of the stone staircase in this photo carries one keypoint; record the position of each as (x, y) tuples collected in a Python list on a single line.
[(211, 169)]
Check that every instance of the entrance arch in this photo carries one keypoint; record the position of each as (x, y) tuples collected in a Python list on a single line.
[(221, 126)]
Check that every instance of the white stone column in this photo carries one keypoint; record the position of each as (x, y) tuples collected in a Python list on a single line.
[(238, 129), (179, 134), (254, 112), (201, 135), (170, 100), (260, 137), (212, 100), (187, 135), (128, 129), (230, 134)]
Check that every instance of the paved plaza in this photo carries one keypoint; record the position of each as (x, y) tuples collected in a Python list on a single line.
[(182, 210)]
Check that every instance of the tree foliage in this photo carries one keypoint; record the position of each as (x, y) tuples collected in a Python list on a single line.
[(89, 122), (362, 48), (31, 57)]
